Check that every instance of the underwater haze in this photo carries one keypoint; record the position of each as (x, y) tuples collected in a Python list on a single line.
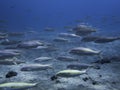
[(41, 13), (59, 44)]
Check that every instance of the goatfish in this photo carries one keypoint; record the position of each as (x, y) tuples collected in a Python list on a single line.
[(36, 67), (84, 51), (68, 73), (17, 85)]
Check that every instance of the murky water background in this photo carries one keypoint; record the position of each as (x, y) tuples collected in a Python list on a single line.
[(32, 17)]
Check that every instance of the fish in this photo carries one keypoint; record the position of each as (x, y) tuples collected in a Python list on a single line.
[(51, 48), (106, 39), (66, 58), (70, 30), (3, 37), (84, 51), (16, 34), (106, 60), (61, 40), (11, 50), (41, 47), (41, 59), (102, 61), (10, 42), (89, 38), (32, 32), (36, 67), (10, 62), (30, 44), (49, 29), (68, 35), (47, 48), (9, 53), (82, 66), (68, 73), (82, 30), (10, 47), (3, 34), (17, 85)]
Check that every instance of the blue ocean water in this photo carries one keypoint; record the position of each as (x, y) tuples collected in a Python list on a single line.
[(32, 17), (42, 13)]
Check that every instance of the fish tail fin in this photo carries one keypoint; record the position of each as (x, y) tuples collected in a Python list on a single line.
[(100, 54), (87, 70), (37, 84)]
